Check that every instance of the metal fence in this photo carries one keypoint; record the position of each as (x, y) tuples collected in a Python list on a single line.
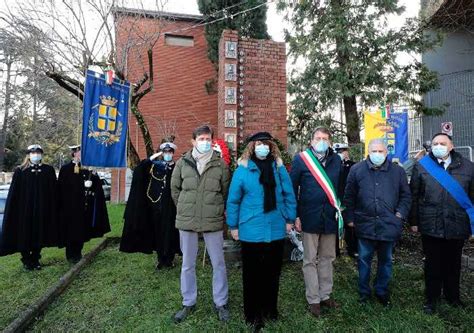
[(456, 91)]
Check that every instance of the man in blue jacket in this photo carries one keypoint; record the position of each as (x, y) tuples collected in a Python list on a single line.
[(377, 200), (317, 217)]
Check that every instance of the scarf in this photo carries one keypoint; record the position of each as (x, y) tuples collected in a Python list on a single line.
[(201, 159), (267, 179)]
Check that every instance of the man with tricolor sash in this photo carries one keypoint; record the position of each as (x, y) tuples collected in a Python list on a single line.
[(442, 186), (377, 200), (315, 174)]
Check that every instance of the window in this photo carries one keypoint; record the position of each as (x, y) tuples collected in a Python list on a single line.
[(175, 40)]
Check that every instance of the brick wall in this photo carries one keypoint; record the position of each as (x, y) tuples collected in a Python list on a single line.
[(179, 101), (261, 87)]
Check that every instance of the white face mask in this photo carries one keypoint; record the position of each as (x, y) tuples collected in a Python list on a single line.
[(203, 146), (439, 151), (35, 158)]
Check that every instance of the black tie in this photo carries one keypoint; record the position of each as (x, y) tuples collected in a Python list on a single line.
[(441, 164)]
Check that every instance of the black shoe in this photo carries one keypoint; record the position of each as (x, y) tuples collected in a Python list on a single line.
[(384, 300), (429, 308), (183, 313), (74, 260), (364, 299), (28, 267), (223, 313), (164, 265), (257, 326), (457, 304)]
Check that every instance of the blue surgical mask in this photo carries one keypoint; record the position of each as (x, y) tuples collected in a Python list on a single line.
[(262, 151), (321, 146), (439, 151), (35, 158), (167, 157), (203, 146), (377, 158)]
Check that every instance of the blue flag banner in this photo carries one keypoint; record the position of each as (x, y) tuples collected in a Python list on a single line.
[(397, 136), (105, 122)]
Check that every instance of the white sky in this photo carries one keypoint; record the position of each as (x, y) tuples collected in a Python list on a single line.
[(274, 20)]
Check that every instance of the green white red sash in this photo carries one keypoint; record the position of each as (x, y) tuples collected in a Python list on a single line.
[(323, 180)]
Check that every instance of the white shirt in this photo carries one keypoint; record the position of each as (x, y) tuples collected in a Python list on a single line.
[(447, 161)]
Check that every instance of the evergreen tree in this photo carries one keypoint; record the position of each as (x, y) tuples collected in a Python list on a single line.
[(251, 24), (350, 59)]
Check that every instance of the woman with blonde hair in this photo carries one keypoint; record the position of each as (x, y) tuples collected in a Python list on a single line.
[(261, 208)]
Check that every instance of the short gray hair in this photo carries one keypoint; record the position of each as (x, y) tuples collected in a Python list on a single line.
[(377, 141)]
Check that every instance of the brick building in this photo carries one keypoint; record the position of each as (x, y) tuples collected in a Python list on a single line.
[(247, 95)]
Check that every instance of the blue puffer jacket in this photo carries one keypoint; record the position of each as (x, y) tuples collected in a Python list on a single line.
[(245, 204), (373, 197), (317, 215)]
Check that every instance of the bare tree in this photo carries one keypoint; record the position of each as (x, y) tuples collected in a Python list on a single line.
[(71, 36)]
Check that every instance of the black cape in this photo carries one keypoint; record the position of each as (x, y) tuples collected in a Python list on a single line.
[(30, 221), (82, 214), (150, 214)]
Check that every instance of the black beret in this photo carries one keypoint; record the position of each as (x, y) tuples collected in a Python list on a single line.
[(261, 136)]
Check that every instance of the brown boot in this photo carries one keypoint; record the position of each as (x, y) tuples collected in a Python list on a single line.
[(330, 303), (315, 310)]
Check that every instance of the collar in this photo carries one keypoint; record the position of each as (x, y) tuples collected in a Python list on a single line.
[(384, 167)]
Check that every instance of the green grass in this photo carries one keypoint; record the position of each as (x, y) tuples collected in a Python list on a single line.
[(20, 288), (122, 292)]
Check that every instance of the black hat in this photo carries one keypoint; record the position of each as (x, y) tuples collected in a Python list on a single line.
[(261, 136), (35, 148)]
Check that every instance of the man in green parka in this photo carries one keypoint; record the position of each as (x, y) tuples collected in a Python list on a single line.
[(199, 187)]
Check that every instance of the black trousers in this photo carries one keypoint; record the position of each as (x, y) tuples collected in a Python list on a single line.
[(261, 269), (74, 250), (31, 257), (350, 240), (442, 267)]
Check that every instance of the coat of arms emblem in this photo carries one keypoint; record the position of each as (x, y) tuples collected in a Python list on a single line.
[(104, 125)]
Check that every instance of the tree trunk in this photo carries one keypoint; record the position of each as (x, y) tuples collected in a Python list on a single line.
[(3, 135), (343, 60), (144, 129), (35, 103), (133, 158), (352, 119)]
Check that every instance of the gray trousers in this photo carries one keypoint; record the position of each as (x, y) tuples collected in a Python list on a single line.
[(215, 247)]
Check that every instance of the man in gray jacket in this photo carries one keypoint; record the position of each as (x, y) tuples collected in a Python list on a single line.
[(199, 187)]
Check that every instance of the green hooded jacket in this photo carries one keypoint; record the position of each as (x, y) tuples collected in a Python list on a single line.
[(200, 199)]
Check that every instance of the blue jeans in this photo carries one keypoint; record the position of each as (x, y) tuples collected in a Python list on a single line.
[(367, 247)]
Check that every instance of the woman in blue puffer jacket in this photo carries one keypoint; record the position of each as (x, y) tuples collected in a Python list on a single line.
[(261, 208)]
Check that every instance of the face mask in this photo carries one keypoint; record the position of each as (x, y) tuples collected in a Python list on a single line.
[(439, 151), (377, 158), (321, 147), (262, 151), (203, 146), (35, 158), (167, 157)]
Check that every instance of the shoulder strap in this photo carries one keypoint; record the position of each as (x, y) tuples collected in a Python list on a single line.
[(451, 185), (323, 180)]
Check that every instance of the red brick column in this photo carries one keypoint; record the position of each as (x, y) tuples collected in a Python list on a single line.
[(228, 92), (263, 70)]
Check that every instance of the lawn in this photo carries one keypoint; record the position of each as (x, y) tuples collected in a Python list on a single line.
[(123, 292), (20, 288)]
